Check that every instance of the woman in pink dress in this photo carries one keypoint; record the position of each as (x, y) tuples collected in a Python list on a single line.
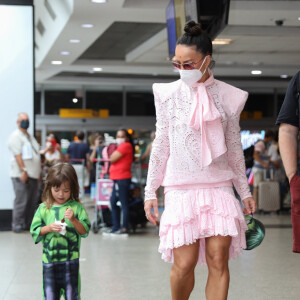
[(197, 156)]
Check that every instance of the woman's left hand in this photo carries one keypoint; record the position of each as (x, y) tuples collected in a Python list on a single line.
[(250, 206)]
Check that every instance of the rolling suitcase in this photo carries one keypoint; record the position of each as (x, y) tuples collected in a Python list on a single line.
[(269, 196)]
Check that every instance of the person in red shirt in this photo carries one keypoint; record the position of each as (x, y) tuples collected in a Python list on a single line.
[(120, 172)]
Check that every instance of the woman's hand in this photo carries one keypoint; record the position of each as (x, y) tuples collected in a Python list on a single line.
[(149, 204), (250, 206)]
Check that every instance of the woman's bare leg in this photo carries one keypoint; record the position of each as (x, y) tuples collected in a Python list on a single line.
[(182, 273), (217, 255)]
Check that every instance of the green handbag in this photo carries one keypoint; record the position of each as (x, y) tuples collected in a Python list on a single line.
[(255, 233)]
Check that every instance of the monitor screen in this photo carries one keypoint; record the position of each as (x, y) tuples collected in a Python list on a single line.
[(249, 138)]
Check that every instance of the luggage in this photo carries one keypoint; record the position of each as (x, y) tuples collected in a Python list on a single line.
[(269, 196)]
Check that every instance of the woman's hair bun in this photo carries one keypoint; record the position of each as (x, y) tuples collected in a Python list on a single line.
[(192, 28)]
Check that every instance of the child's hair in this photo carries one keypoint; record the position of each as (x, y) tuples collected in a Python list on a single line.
[(58, 174)]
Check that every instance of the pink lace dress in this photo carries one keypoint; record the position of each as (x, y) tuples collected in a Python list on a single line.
[(197, 156)]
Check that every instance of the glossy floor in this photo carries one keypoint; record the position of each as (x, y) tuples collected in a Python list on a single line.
[(131, 269)]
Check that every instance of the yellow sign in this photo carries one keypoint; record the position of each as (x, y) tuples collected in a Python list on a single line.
[(83, 113), (251, 115)]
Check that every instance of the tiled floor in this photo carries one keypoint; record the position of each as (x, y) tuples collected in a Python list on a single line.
[(131, 269)]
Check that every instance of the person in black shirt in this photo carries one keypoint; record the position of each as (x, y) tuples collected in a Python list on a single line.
[(288, 119)]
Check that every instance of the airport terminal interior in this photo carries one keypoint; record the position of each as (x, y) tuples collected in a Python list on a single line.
[(86, 69)]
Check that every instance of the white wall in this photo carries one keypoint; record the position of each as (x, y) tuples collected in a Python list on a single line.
[(16, 83)]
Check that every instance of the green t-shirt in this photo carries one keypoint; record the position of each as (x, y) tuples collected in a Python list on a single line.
[(57, 247)]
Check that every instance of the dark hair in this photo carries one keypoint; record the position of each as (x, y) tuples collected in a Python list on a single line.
[(128, 135), (58, 174), (195, 36), (80, 135)]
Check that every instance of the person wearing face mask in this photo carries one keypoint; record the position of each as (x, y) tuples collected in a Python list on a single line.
[(120, 172), (197, 156), (25, 170)]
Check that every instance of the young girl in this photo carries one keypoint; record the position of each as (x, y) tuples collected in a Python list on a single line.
[(59, 223)]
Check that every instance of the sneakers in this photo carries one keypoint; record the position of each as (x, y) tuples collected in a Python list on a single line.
[(118, 233)]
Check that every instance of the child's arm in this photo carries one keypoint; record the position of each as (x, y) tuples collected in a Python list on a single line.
[(50, 228), (69, 214)]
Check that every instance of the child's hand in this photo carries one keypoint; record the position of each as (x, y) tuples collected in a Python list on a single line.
[(69, 214), (54, 227)]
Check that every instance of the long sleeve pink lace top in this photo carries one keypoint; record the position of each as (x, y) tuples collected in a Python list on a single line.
[(197, 139)]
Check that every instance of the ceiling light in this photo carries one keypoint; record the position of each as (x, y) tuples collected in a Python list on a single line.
[(284, 76), (256, 72), (75, 100), (98, 1), (298, 18), (97, 69), (56, 62), (74, 41), (65, 53), (221, 41), (87, 25)]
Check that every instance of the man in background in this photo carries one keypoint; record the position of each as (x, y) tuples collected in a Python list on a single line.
[(25, 170), (78, 155), (288, 119)]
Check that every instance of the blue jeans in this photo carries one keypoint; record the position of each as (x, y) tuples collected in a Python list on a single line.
[(120, 192)]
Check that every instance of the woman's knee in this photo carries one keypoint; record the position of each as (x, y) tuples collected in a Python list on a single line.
[(184, 267), (217, 261)]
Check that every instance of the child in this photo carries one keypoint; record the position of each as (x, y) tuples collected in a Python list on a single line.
[(60, 222)]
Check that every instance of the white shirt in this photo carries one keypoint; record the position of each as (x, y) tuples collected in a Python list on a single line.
[(28, 147)]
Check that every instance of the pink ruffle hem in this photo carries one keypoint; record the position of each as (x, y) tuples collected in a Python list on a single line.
[(196, 214)]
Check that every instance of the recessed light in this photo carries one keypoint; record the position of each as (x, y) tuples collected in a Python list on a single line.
[(298, 18), (221, 41), (98, 1), (256, 72), (65, 53), (75, 100), (74, 41), (56, 62), (284, 76), (97, 69), (87, 25)]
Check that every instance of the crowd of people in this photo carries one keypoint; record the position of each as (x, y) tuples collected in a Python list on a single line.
[(30, 168), (202, 221)]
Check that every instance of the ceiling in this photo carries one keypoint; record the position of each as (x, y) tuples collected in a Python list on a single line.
[(129, 43)]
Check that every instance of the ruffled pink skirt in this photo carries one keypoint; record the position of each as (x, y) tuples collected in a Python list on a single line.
[(195, 214)]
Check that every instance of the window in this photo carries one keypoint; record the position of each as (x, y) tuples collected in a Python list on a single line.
[(37, 103), (105, 100), (54, 100), (280, 99), (261, 102), (140, 104)]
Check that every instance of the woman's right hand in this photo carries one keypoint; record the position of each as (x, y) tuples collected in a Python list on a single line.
[(149, 204)]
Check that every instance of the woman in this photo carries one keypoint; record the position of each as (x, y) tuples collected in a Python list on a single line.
[(197, 156), (120, 172)]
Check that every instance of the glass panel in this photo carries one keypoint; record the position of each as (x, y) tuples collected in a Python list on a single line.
[(261, 102), (54, 100), (105, 100), (37, 103), (140, 104)]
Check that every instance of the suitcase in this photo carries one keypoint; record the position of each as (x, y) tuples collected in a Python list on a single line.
[(269, 196)]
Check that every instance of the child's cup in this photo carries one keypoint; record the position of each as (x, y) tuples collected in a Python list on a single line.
[(63, 226)]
